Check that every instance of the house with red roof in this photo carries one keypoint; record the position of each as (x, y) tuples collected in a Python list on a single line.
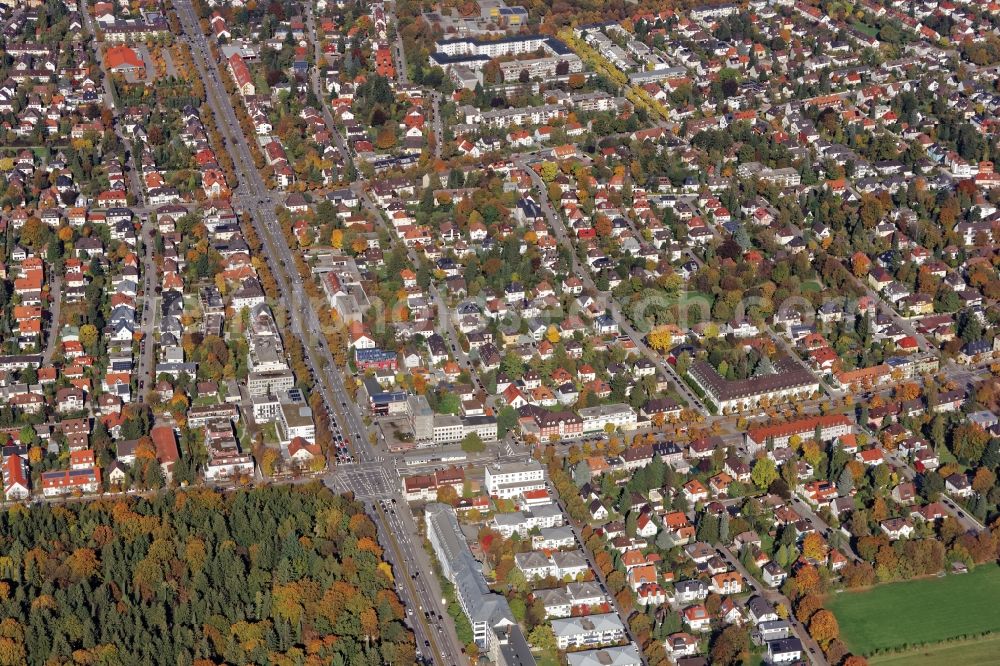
[(303, 451), (166, 449), (64, 482), (15, 478), (241, 75), (870, 456), (124, 60)]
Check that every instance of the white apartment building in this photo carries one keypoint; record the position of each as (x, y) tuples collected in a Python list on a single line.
[(522, 522), (588, 631), (295, 419), (619, 416), (508, 480)]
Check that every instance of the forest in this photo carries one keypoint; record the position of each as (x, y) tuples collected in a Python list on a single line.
[(277, 575)]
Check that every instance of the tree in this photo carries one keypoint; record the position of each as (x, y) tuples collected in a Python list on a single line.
[(845, 482), (281, 591), (449, 404), (386, 138), (542, 638), (337, 238), (549, 171), (473, 443), (807, 581), (27, 436), (969, 442), (35, 233), (813, 547), (447, 494), (708, 529), (731, 646), (268, 460), (807, 606), (507, 420), (764, 472), (823, 627), (984, 480), (660, 338)]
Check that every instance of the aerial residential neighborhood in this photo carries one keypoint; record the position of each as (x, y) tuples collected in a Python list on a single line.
[(615, 334)]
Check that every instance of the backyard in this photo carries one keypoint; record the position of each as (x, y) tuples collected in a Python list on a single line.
[(919, 611)]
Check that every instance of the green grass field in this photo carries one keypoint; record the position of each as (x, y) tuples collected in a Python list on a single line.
[(869, 30), (811, 285), (975, 652), (920, 611)]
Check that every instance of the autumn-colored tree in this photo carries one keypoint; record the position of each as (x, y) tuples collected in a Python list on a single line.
[(660, 338), (855, 660), (447, 494), (369, 544), (732, 646), (625, 600), (811, 452), (604, 562), (603, 226), (35, 233), (908, 391), (286, 602), (88, 336), (83, 564), (362, 526), (806, 606), (269, 459), (823, 627), (386, 138), (807, 581), (860, 264), (195, 554), (12, 651), (814, 547), (984, 480)]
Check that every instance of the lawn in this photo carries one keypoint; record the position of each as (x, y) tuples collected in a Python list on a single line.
[(920, 611), (811, 286), (869, 30), (973, 652)]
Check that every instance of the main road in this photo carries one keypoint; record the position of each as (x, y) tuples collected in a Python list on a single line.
[(258, 205)]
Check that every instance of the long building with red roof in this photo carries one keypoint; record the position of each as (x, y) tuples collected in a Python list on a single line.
[(830, 427)]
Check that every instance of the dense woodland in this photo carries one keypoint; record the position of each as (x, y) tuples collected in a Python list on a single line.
[(281, 575)]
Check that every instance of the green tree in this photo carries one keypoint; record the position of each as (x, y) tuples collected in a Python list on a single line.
[(449, 404), (473, 443), (542, 638), (764, 472), (507, 420)]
